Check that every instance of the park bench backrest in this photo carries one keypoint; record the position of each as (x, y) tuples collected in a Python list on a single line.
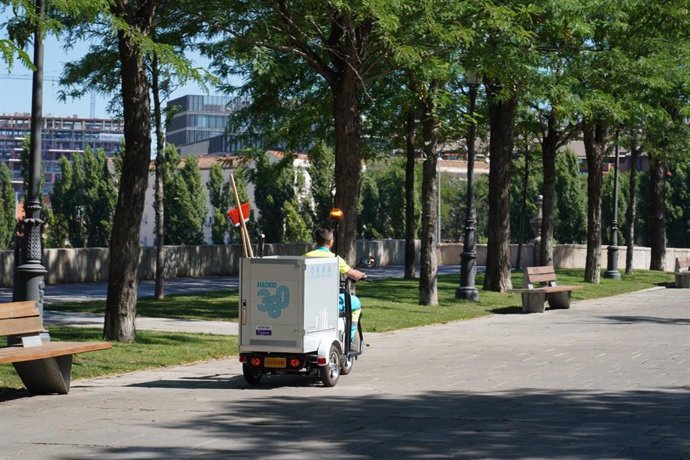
[(682, 264), (19, 318), (539, 276)]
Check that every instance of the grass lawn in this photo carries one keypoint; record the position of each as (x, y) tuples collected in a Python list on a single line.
[(387, 305), (391, 303)]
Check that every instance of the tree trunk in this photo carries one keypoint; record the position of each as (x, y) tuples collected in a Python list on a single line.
[(120, 310), (595, 145), (657, 221), (502, 123), (158, 191), (410, 224), (348, 169), (549, 149), (630, 214), (428, 268)]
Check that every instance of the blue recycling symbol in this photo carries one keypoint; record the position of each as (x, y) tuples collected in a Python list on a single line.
[(273, 304)]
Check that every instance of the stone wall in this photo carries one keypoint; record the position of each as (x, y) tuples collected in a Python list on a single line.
[(91, 264)]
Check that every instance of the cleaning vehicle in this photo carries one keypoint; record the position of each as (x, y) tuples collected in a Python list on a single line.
[(296, 318)]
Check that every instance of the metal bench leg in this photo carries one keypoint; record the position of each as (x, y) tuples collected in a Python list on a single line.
[(46, 376), (533, 302), (683, 281), (559, 299)]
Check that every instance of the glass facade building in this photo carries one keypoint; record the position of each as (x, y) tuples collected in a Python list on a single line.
[(199, 118), (61, 137)]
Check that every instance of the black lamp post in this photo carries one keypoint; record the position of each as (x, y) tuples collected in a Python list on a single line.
[(29, 271), (468, 259), (612, 271)]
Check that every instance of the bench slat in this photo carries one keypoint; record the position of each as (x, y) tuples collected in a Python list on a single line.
[(542, 278), (546, 289), (560, 288), (19, 326), (49, 350), (540, 270), (18, 309)]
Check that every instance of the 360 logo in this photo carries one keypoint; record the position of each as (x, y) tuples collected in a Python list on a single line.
[(273, 303)]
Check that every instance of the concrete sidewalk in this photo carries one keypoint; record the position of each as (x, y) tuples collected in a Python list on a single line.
[(52, 318), (609, 378)]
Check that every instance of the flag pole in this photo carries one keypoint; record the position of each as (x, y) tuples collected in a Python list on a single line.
[(248, 252)]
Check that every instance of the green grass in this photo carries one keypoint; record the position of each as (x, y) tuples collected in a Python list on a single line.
[(151, 350), (387, 305), (392, 304)]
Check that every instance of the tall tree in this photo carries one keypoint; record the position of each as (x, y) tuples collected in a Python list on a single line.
[(571, 201), (596, 139), (83, 201), (505, 57), (185, 199), (380, 210), (322, 187), (135, 21), (274, 189), (164, 62), (502, 110), (428, 271), (344, 43), (7, 208), (219, 197)]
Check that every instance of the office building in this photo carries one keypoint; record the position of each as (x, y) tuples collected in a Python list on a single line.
[(200, 123)]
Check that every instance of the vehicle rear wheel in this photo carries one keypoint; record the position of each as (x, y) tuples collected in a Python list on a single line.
[(251, 376), (331, 371)]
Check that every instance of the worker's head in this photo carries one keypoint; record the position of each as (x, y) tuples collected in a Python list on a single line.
[(324, 237)]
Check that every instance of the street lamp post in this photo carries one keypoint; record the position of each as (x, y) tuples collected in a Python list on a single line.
[(29, 271), (612, 271), (468, 259)]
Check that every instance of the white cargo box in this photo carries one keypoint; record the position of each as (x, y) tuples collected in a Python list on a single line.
[(287, 304)]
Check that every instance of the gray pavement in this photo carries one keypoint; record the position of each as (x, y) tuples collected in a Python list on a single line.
[(609, 378)]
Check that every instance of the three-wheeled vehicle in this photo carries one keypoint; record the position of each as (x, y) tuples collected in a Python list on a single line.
[(290, 320)]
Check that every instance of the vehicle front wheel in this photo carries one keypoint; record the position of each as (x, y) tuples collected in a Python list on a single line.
[(251, 376), (331, 371)]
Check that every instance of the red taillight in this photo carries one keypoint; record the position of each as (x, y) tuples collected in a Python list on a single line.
[(256, 362), (322, 361), (295, 363), (243, 359)]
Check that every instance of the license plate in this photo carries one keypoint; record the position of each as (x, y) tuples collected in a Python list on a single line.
[(274, 362)]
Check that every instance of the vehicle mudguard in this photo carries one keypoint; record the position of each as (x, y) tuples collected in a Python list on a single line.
[(324, 349)]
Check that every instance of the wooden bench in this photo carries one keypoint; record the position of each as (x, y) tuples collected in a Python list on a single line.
[(682, 272), (44, 367), (539, 286)]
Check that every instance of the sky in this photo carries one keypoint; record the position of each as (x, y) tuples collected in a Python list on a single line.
[(15, 94)]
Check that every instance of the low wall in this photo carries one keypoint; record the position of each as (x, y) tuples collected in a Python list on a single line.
[(91, 264)]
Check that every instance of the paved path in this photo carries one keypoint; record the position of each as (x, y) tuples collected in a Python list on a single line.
[(609, 378)]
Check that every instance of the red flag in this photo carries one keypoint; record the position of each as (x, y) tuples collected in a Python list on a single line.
[(234, 214)]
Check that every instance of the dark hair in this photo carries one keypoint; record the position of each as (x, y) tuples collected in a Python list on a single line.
[(323, 236)]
